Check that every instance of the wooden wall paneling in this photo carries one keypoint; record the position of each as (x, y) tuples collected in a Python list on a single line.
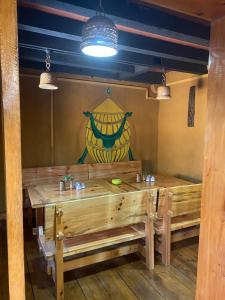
[(10, 102), (211, 260), (73, 98), (35, 124), (184, 149), (69, 124)]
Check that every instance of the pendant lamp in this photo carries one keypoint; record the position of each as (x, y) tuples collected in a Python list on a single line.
[(99, 36), (163, 91), (47, 79)]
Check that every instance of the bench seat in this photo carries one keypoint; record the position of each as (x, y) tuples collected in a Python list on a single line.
[(89, 242)]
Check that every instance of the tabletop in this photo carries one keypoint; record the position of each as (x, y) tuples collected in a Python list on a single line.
[(48, 193)]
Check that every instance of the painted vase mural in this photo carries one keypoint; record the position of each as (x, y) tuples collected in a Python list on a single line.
[(108, 134)]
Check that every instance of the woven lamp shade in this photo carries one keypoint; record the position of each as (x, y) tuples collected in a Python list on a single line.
[(48, 81), (99, 37)]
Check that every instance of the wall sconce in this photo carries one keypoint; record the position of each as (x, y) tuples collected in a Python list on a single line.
[(47, 79), (163, 91)]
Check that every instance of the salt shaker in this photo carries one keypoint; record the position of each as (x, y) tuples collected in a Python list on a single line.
[(138, 178), (62, 186), (148, 178), (143, 177), (152, 178)]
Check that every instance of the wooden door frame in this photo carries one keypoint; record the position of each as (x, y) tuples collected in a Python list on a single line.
[(10, 109), (210, 268), (211, 259)]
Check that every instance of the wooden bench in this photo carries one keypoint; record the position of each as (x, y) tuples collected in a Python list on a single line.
[(125, 169), (178, 217), (92, 230), (34, 176)]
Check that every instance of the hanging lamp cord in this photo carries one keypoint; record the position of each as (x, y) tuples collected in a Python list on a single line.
[(100, 10), (164, 73), (48, 61), (164, 79)]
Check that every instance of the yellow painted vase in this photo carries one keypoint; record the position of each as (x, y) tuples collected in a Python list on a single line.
[(107, 119)]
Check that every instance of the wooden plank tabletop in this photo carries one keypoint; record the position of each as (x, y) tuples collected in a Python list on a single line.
[(45, 194), (161, 181)]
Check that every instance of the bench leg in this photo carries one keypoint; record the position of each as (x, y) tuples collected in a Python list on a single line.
[(149, 249), (166, 246), (59, 277), (166, 234), (59, 272), (149, 235)]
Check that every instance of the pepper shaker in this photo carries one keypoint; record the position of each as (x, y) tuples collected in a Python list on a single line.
[(62, 186), (138, 178)]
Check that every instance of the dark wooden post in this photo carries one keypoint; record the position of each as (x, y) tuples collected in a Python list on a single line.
[(10, 103), (211, 264)]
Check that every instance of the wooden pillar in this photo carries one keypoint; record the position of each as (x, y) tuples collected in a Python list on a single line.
[(211, 263), (10, 104)]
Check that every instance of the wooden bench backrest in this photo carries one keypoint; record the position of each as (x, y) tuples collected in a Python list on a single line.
[(99, 213), (184, 200), (112, 170), (32, 176)]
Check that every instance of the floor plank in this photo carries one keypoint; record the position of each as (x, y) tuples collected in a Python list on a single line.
[(42, 286), (28, 284), (73, 291), (115, 285), (120, 279), (4, 295), (185, 263), (140, 285), (93, 288)]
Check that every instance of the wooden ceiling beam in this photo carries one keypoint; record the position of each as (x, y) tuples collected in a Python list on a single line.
[(204, 9), (151, 78), (123, 57), (127, 58), (82, 14), (75, 61), (30, 22)]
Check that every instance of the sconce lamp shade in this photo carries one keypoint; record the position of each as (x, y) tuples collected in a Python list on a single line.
[(99, 37), (47, 81), (163, 93)]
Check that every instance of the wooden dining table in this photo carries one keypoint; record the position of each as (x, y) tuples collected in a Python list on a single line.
[(47, 193)]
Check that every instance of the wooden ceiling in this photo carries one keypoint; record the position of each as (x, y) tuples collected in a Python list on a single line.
[(151, 40), (204, 9)]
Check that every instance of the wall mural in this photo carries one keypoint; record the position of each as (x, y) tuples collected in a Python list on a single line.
[(108, 134)]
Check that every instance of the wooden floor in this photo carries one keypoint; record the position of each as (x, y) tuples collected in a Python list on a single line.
[(123, 278)]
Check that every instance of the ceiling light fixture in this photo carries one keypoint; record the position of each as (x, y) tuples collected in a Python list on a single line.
[(163, 91), (99, 35), (47, 79)]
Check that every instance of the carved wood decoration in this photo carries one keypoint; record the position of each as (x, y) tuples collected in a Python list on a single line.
[(191, 107), (10, 104), (211, 260)]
